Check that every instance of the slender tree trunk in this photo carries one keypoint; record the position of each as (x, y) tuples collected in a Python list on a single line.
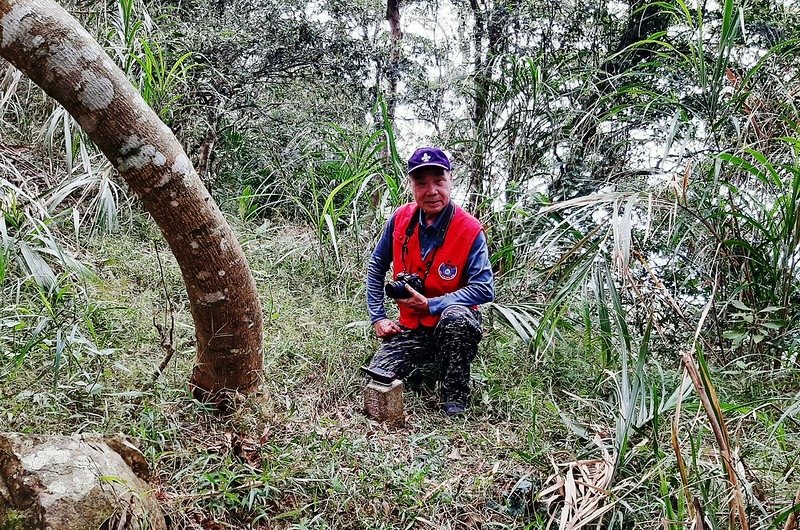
[(205, 153), (393, 73), (493, 23), (479, 108), (50, 46)]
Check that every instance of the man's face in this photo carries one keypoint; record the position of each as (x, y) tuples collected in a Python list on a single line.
[(432, 187)]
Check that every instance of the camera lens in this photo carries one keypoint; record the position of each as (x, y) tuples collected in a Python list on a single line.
[(396, 289)]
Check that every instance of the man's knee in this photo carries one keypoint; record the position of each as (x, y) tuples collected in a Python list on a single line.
[(454, 314), (460, 319)]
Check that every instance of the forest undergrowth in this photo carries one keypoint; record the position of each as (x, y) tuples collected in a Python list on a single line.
[(301, 454), (635, 166)]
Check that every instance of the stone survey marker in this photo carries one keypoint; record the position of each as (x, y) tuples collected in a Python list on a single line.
[(384, 402)]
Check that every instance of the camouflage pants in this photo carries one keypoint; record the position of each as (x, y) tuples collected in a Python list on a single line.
[(448, 349)]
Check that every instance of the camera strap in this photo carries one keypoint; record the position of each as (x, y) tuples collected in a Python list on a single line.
[(449, 212)]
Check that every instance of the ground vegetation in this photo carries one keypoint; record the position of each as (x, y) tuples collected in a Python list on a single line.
[(635, 165)]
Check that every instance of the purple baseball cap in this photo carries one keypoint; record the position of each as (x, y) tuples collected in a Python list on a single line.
[(428, 156)]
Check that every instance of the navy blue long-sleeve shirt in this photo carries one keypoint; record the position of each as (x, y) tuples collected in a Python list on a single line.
[(479, 287)]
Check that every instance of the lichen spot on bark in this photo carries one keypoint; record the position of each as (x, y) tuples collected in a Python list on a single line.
[(221, 273), (92, 53), (216, 296), (62, 62), (16, 24), (96, 92), (182, 166), (174, 204), (137, 154), (194, 244), (203, 275), (223, 244)]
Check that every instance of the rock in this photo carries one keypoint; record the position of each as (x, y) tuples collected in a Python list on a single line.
[(73, 483)]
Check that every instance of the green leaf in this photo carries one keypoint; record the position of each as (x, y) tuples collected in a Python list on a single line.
[(738, 304)]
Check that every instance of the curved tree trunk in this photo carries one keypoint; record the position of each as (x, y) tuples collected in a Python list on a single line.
[(52, 48)]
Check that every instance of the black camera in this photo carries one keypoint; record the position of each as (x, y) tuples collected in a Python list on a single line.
[(397, 288)]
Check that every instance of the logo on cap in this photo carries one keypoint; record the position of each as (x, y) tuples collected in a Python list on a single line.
[(428, 156)]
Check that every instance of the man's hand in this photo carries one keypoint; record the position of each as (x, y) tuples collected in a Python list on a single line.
[(386, 328), (416, 301)]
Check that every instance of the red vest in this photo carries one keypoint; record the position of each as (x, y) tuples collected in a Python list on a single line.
[(449, 261)]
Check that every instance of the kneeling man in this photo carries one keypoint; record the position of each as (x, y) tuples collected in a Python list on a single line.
[(442, 273)]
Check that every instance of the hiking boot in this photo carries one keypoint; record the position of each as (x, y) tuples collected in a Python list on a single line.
[(451, 408)]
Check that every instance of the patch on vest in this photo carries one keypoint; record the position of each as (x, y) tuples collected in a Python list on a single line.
[(447, 271)]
